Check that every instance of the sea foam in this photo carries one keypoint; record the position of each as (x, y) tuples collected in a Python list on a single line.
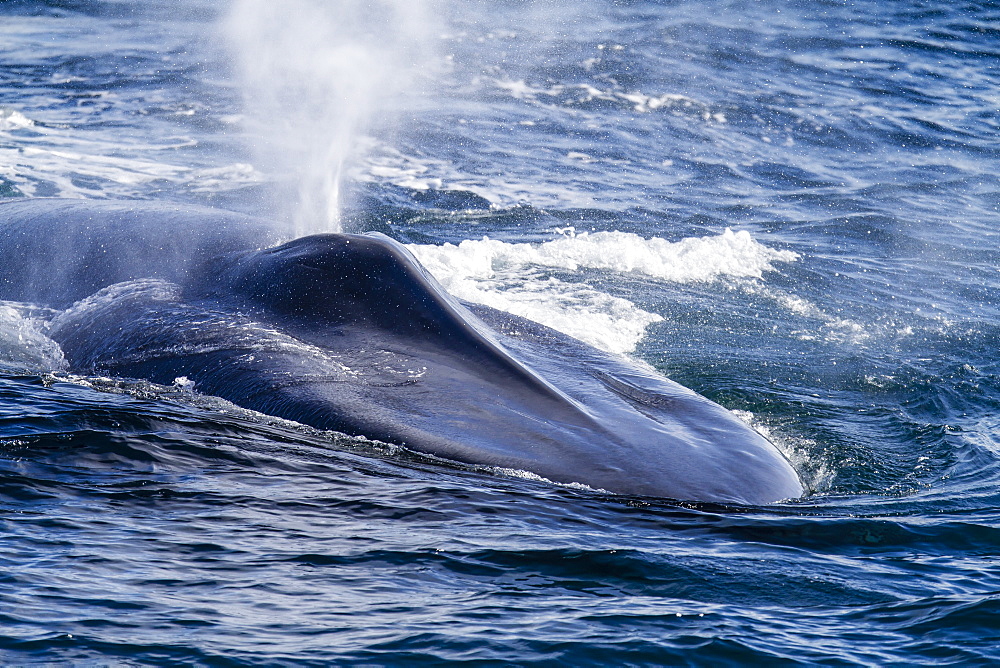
[(517, 277)]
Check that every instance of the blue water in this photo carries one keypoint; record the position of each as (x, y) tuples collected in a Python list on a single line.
[(151, 525)]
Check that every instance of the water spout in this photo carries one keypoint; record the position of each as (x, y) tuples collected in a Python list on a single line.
[(318, 76)]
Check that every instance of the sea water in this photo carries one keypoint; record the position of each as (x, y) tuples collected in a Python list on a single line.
[(790, 207)]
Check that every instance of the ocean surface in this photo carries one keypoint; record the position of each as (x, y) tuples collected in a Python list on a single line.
[(792, 208)]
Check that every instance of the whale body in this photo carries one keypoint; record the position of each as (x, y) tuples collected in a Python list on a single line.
[(348, 332)]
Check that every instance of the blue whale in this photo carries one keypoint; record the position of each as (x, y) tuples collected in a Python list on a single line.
[(348, 332)]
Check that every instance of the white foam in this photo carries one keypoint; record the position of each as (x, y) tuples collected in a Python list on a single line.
[(11, 119), (386, 164), (534, 477), (692, 259), (814, 474), (515, 277), (833, 328), (62, 164), (227, 177), (584, 93), (59, 158), (817, 324), (22, 341)]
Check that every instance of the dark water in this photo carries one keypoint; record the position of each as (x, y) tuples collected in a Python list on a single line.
[(151, 525)]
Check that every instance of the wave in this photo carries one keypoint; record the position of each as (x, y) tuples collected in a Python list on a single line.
[(517, 277)]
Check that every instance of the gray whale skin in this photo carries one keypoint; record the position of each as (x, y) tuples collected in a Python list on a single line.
[(349, 333)]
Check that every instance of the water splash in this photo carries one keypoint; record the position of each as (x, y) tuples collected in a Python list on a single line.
[(317, 76), (517, 277)]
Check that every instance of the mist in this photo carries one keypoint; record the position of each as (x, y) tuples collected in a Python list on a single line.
[(318, 78)]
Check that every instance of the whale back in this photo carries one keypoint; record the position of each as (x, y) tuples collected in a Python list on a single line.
[(58, 251), (341, 278), (368, 284)]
